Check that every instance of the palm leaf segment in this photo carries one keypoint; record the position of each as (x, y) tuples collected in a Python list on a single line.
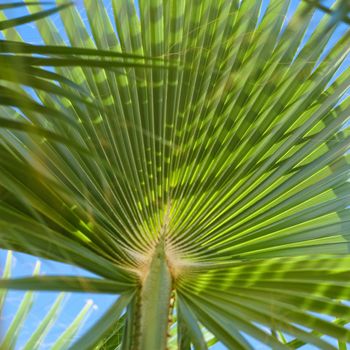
[(10, 340), (228, 164)]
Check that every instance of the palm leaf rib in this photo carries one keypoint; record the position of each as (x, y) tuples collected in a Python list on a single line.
[(196, 149)]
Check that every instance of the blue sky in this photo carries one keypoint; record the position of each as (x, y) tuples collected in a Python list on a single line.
[(24, 264)]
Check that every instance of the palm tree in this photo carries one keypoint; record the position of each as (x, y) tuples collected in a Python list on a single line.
[(197, 165)]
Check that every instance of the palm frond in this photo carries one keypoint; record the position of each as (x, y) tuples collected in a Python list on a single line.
[(217, 156), (9, 339)]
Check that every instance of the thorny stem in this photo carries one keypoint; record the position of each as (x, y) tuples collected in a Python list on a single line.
[(155, 298)]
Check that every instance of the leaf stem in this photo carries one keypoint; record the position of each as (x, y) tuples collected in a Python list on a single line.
[(155, 302)]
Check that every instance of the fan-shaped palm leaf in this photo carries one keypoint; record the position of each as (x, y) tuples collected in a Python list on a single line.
[(219, 180), (9, 340)]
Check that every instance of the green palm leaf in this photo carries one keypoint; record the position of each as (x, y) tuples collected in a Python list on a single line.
[(10, 338), (200, 152)]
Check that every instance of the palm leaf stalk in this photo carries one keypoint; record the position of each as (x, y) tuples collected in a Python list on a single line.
[(215, 185), (326, 9)]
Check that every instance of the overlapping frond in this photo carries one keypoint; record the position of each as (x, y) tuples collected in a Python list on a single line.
[(9, 340), (230, 145)]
